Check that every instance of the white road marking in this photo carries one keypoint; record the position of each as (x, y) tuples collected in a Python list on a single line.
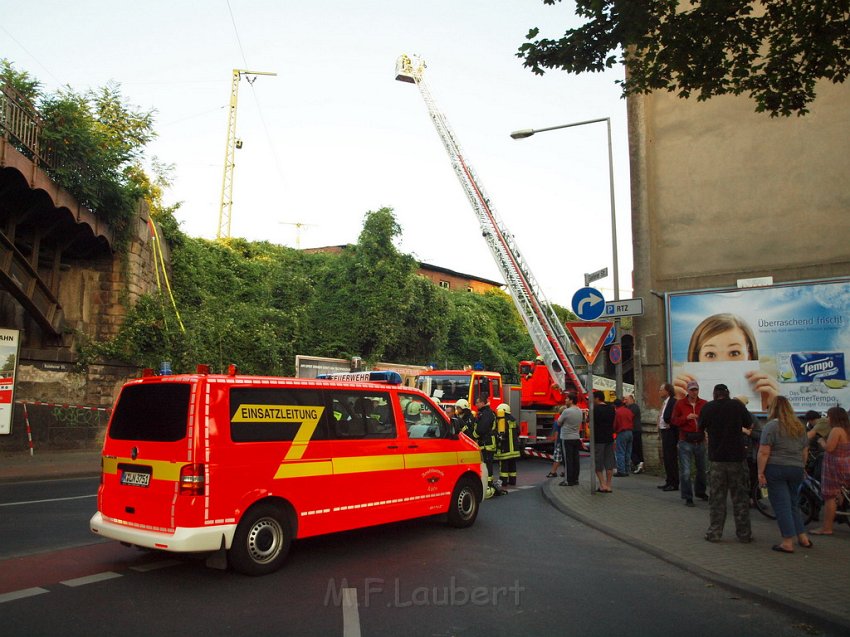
[(76, 497), (350, 614), (90, 579), (21, 594)]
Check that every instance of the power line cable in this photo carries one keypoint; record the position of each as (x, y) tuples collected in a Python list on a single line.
[(35, 59)]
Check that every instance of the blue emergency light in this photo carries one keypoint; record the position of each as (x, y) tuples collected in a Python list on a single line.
[(387, 377)]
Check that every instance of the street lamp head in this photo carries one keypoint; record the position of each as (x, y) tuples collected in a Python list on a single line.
[(522, 134)]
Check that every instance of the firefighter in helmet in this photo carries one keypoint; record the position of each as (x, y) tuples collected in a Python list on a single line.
[(463, 420), (507, 444), (484, 433)]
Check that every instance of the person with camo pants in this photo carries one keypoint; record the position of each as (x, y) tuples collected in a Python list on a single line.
[(723, 421)]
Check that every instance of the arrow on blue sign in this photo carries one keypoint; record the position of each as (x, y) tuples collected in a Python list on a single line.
[(588, 304)]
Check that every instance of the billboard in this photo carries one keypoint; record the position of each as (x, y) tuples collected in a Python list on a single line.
[(789, 339), (9, 345)]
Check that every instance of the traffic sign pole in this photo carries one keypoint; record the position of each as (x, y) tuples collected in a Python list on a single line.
[(592, 432)]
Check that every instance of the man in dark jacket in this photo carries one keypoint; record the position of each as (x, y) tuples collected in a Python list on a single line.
[(669, 438), (723, 420)]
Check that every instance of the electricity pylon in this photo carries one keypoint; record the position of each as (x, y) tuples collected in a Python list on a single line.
[(229, 153)]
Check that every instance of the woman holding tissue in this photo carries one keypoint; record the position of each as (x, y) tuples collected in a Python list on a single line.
[(726, 338)]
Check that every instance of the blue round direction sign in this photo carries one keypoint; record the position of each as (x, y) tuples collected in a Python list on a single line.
[(588, 304), (612, 335)]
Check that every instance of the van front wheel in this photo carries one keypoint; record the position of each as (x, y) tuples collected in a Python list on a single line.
[(261, 542), (463, 508)]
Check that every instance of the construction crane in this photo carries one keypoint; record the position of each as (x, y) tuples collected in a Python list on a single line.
[(226, 208), (549, 336)]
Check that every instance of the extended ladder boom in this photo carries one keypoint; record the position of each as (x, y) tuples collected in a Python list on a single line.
[(547, 333)]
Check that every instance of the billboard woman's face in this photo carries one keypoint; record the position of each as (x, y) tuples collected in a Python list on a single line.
[(730, 345)]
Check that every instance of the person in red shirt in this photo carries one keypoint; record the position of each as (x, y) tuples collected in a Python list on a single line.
[(691, 444), (624, 427)]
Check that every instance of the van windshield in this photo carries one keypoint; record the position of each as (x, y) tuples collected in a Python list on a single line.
[(152, 412)]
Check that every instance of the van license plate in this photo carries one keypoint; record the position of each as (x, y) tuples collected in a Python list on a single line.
[(135, 479)]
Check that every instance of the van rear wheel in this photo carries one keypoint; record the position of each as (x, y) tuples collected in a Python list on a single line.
[(463, 508), (261, 542)]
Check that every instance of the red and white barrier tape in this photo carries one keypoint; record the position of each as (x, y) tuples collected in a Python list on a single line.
[(63, 405)]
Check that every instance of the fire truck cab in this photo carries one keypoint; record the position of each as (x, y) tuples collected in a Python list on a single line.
[(241, 465), (447, 386)]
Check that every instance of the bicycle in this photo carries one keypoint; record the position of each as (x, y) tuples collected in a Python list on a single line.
[(811, 500)]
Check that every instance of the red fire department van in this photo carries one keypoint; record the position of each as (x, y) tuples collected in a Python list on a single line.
[(242, 465)]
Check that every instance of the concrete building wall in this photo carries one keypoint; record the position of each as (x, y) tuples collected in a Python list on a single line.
[(721, 193)]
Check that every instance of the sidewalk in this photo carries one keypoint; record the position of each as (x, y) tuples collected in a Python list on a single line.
[(45, 465), (814, 582)]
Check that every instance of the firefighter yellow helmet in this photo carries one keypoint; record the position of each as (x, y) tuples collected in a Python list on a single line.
[(463, 403), (503, 409)]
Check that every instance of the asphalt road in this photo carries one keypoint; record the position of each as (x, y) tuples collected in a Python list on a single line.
[(522, 569), (46, 515)]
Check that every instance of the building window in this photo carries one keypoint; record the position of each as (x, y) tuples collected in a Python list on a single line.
[(469, 288), (444, 284)]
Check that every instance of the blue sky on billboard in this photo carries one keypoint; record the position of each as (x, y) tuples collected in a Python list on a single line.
[(333, 135)]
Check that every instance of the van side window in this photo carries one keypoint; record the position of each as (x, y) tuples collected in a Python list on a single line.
[(265, 414), (421, 419), (361, 415)]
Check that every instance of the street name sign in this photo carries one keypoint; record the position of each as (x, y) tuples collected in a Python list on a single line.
[(595, 276)]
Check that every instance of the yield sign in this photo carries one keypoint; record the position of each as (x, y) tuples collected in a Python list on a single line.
[(589, 336)]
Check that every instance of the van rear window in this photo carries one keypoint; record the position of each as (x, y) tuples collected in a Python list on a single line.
[(152, 412)]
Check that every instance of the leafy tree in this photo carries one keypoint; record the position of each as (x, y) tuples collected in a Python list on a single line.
[(21, 81), (486, 328), (257, 305), (381, 279), (774, 51), (96, 141)]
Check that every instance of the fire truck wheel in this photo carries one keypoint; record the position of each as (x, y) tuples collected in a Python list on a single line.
[(463, 508), (261, 542)]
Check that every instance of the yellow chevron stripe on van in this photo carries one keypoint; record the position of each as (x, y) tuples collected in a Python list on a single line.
[(362, 464), (304, 469), (420, 460), (162, 469)]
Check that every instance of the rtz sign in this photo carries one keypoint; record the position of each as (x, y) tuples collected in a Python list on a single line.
[(624, 307)]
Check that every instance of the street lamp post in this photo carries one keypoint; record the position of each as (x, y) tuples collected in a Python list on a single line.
[(528, 132)]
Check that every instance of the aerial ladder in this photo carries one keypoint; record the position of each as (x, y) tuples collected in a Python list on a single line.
[(549, 336)]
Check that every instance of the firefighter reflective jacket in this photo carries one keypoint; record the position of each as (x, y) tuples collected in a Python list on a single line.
[(507, 437)]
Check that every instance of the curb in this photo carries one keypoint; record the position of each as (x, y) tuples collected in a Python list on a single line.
[(818, 617)]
